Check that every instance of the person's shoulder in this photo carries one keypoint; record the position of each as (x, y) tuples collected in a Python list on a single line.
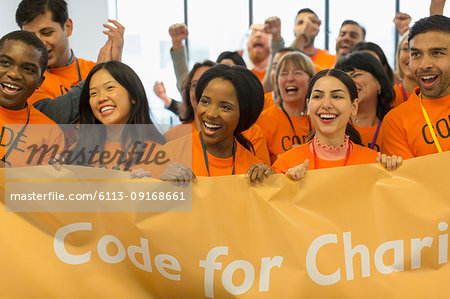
[(406, 109), (364, 150), (296, 151), (88, 63), (37, 117), (325, 52), (271, 112), (244, 154)]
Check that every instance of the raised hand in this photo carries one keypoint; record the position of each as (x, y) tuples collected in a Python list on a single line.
[(178, 33), (272, 25)]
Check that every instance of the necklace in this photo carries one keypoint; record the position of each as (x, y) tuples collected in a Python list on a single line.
[(315, 154), (292, 125)]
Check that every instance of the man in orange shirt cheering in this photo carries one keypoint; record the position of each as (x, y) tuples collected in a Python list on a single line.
[(421, 125)]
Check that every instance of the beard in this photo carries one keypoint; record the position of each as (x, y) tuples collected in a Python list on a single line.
[(258, 56)]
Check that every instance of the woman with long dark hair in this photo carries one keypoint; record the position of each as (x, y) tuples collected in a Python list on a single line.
[(332, 101), (375, 94), (113, 110)]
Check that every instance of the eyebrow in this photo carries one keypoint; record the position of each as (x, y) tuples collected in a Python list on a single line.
[(6, 56), (221, 102), (334, 90), (12, 59), (46, 28), (106, 83)]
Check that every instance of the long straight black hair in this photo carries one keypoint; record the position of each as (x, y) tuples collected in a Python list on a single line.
[(91, 137)]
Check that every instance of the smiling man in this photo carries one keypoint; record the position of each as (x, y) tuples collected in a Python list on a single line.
[(258, 47), (421, 125), (49, 20), (23, 58), (350, 34)]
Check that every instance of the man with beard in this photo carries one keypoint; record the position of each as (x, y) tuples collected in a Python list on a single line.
[(420, 126), (350, 34), (258, 47)]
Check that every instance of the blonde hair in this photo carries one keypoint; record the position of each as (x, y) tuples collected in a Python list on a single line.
[(397, 55), (299, 61)]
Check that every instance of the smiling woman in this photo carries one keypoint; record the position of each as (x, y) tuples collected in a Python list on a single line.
[(292, 75), (333, 99), (114, 103), (230, 99)]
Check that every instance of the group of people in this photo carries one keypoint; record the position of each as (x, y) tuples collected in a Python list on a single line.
[(292, 109)]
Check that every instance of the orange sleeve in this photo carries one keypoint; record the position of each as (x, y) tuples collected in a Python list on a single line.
[(292, 158), (256, 137), (268, 100), (394, 141), (323, 60)]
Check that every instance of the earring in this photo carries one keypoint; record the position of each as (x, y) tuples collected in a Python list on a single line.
[(356, 120), (133, 102), (379, 91)]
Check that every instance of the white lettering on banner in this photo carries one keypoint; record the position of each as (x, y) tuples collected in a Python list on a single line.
[(60, 249), (397, 246), (210, 265), (72, 259)]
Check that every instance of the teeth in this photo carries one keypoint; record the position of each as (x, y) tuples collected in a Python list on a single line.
[(428, 77), (108, 108), (327, 116), (211, 126), (9, 85), (291, 88)]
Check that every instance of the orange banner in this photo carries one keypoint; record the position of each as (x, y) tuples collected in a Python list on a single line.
[(351, 232)]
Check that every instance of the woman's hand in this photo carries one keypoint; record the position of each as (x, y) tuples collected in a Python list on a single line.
[(57, 161), (258, 172), (389, 162), (296, 173), (178, 173), (140, 173)]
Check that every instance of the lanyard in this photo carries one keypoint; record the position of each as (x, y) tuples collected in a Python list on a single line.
[(315, 154), (205, 155), (376, 135), (117, 167), (372, 144), (292, 125), (79, 77), (16, 140), (430, 126)]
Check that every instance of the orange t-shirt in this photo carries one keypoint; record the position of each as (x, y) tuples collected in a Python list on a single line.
[(260, 75), (180, 131), (278, 131), (368, 134), (254, 134), (400, 95), (268, 100), (59, 80), (179, 151), (297, 155), (41, 131), (322, 59), (405, 130)]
